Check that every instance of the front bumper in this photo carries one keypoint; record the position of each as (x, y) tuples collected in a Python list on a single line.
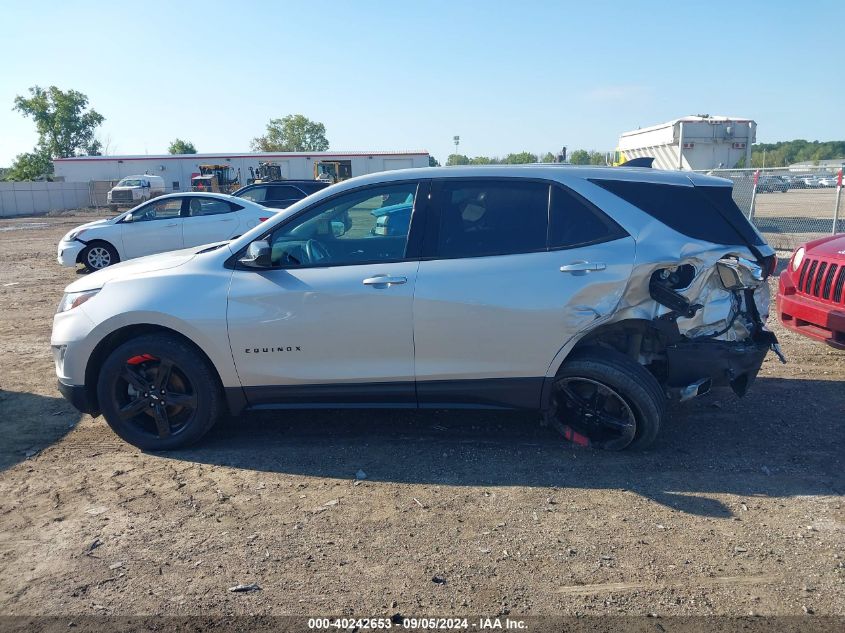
[(77, 395), (809, 317), (68, 252)]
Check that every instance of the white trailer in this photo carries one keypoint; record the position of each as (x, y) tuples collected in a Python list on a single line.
[(692, 142), (178, 169)]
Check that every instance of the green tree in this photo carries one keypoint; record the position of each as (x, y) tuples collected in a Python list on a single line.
[(580, 157), (548, 157), (786, 153), (65, 127), (293, 133), (30, 166), (457, 159), (432, 162), (178, 146), (521, 158), (597, 158), (482, 160)]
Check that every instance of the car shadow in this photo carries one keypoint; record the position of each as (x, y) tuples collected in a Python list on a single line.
[(767, 444), (30, 423)]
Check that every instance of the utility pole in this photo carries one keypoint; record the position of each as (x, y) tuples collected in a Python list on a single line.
[(456, 140)]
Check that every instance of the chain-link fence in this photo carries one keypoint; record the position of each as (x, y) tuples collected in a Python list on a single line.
[(788, 207)]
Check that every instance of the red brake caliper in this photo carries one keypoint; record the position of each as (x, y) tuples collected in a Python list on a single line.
[(141, 358), (575, 437)]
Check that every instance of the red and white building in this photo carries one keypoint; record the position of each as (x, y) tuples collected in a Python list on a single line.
[(177, 170)]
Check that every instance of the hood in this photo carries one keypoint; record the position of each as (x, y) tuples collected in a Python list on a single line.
[(87, 226), (832, 247), (126, 187), (133, 267), (95, 223)]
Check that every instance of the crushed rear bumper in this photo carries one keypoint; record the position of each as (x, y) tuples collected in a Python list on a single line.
[(723, 363)]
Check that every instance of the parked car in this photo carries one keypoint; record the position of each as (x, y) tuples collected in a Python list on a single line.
[(827, 180), (280, 194), (811, 181), (794, 181), (526, 287), (393, 218), (771, 184), (167, 223), (135, 189), (811, 291)]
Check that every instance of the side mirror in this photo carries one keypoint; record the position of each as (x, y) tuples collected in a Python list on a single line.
[(257, 255), (129, 217)]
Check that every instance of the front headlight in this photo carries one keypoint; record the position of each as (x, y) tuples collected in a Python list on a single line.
[(797, 259), (72, 300), (73, 235)]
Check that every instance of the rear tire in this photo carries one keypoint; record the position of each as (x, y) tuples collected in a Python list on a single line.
[(604, 399), (99, 255), (159, 393)]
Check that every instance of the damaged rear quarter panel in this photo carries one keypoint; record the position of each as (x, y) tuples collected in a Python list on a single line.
[(659, 247)]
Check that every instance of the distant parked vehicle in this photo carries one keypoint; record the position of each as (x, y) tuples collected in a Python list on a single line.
[(771, 184), (167, 223), (828, 180), (811, 181), (393, 219), (135, 189)]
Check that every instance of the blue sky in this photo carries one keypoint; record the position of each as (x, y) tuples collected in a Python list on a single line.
[(505, 76)]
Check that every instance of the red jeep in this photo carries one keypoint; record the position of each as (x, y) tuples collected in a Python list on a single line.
[(811, 296)]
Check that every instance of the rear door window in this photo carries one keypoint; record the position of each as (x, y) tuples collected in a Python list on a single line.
[(491, 217), (705, 213)]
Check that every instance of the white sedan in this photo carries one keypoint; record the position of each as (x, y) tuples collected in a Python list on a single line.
[(166, 223)]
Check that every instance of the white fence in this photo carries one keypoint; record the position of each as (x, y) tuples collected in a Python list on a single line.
[(34, 198)]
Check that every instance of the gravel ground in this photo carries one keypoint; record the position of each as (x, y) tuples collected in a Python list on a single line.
[(736, 509)]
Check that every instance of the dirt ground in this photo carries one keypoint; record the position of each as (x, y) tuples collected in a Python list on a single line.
[(736, 509)]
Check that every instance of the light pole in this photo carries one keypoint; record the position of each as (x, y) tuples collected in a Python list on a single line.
[(456, 140)]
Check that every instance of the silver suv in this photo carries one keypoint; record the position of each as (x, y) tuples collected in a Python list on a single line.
[(589, 294)]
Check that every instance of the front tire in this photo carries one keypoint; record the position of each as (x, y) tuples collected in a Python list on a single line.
[(99, 255), (604, 399), (158, 393)]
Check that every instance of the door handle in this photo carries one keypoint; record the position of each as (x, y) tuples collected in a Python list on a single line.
[(384, 280), (583, 267), (228, 220), (170, 226)]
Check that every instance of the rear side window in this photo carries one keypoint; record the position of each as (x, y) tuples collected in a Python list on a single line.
[(312, 187), (574, 221), (210, 206), (705, 213), (284, 192), (481, 217)]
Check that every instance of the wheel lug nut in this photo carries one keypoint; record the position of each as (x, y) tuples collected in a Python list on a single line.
[(152, 404)]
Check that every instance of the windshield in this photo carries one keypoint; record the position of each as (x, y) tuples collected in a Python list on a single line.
[(131, 182)]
